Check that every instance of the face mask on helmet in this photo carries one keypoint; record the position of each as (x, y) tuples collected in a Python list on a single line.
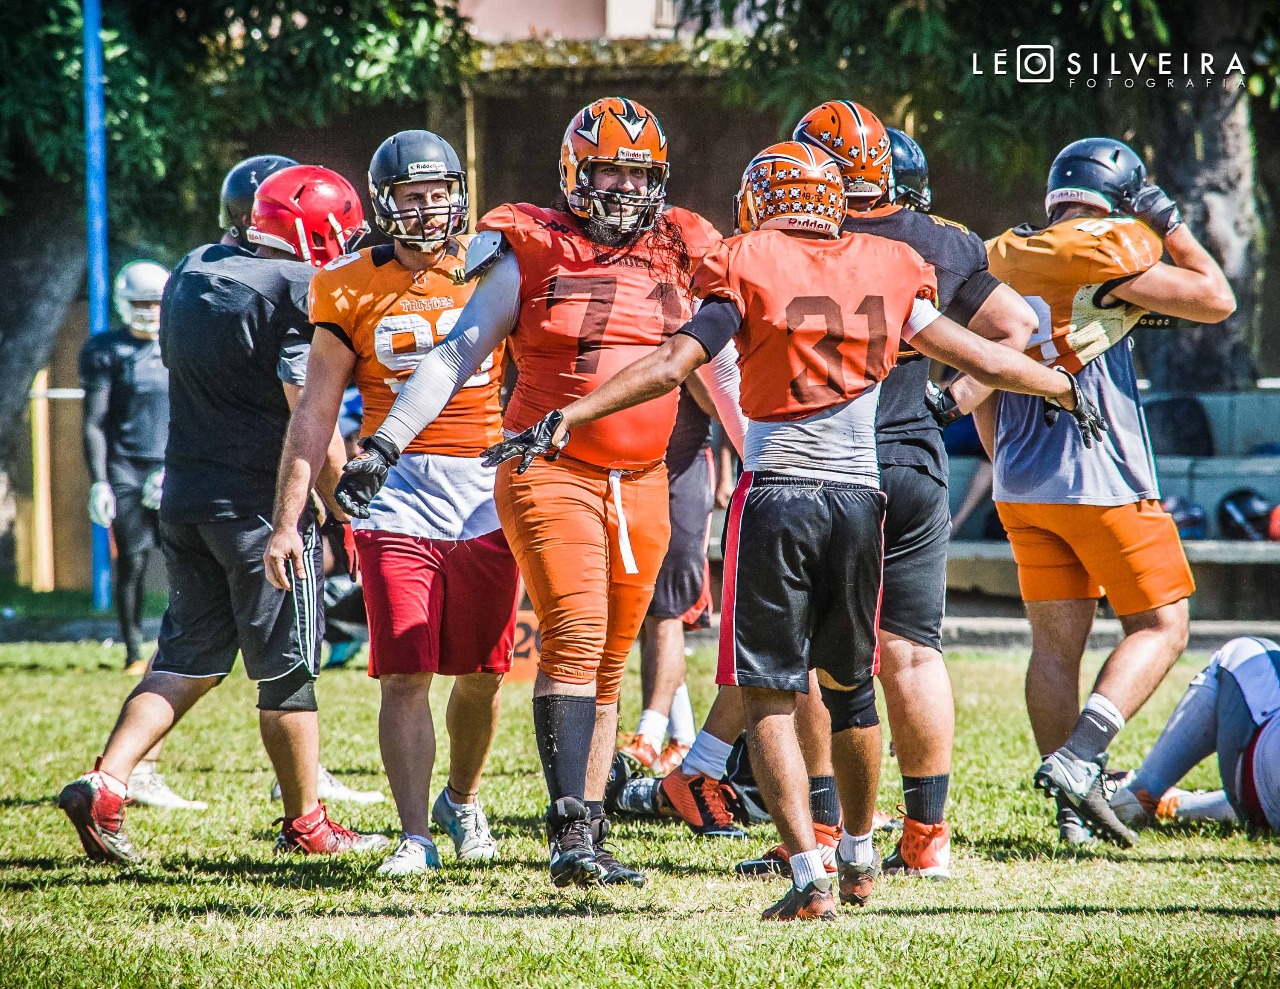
[(137, 292), (615, 208), (415, 215)]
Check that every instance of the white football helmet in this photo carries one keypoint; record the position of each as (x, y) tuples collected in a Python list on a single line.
[(140, 281)]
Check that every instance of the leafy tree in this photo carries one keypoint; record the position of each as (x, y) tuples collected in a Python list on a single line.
[(913, 59), (184, 78)]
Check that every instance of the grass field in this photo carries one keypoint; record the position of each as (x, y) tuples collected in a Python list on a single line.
[(214, 907)]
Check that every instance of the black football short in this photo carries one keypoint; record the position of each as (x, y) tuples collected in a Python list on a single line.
[(134, 528), (681, 590), (917, 528), (802, 563), (221, 602)]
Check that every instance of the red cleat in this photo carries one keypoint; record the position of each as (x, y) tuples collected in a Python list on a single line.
[(700, 802), (98, 815), (315, 834)]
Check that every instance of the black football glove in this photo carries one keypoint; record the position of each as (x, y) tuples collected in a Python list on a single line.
[(1088, 419), (534, 442), (364, 476), (941, 405), (1152, 206)]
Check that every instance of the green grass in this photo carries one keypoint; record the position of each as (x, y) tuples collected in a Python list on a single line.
[(214, 907)]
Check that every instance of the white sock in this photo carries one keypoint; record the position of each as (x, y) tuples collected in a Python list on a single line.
[(707, 755), (857, 848), (118, 787), (1212, 806), (682, 729), (452, 804), (1103, 708), (652, 727), (806, 867)]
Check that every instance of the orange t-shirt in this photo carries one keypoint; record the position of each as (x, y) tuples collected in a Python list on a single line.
[(1065, 271), (586, 312), (821, 319), (391, 318)]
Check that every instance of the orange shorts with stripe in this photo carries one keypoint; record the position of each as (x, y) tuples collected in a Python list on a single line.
[(1131, 553), (589, 571)]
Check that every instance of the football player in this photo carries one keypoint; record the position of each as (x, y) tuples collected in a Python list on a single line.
[(581, 290), (886, 193), (1081, 523), (440, 584), (818, 318), (126, 420), (235, 337), (1232, 708)]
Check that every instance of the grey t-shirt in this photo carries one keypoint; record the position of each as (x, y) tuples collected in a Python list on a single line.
[(1045, 465)]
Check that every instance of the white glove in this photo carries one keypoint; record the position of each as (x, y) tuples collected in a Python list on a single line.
[(102, 503), (153, 489)]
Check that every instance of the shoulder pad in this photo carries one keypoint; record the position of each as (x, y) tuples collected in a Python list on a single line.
[(485, 248)]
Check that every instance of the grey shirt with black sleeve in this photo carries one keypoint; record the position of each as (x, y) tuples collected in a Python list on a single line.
[(233, 327)]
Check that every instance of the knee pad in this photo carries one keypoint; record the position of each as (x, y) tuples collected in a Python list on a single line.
[(295, 691), (852, 708)]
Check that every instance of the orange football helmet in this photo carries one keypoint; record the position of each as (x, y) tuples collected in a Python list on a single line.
[(790, 186), (622, 132), (858, 141)]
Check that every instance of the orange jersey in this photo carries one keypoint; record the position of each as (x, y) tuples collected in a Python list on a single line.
[(1067, 269), (391, 318), (821, 319), (588, 311)]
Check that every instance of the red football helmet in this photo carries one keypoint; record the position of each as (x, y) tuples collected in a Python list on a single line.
[(310, 212)]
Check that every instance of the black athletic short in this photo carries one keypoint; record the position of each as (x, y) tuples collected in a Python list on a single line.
[(681, 588), (917, 528), (220, 601), (802, 561), (134, 528)]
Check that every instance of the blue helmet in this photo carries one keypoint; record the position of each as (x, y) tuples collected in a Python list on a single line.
[(1099, 171), (909, 185)]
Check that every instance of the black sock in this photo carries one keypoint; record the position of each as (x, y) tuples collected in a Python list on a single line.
[(1091, 735), (564, 725), (595, 809), (925, 797), (824, 801)]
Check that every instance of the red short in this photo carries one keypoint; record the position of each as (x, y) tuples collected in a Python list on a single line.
[(437, 606)]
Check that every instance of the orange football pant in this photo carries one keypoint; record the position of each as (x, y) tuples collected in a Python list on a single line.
[(561, 521)]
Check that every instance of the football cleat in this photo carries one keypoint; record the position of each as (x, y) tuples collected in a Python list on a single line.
[(670, 758), (315, 834), (98, 816), (1071, 827), (777, 860), (923, 851), (135, 668), (639, 753), (858, 879), (699, 801), (573, 854), (615, 873), (814, 902), (411, 858), (1082, 783), (1139, 809), (150, 790), (642, 797), (468, 827)]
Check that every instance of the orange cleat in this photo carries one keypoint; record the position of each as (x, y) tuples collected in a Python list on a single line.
[(700, 802), (814, 902), (923, 852), (639, 753), (777, 860), (857, 880), (670, 758)]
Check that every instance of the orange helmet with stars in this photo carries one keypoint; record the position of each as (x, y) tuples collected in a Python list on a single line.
[(791, 186), (621, 132), (857, 140)]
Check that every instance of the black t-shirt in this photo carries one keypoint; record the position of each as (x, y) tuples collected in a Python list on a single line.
[(232, 328), (129, 369), (691, 435), (905, 431)]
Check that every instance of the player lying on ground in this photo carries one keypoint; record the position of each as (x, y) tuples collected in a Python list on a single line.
[(580, 290), (818, 318), (1230, 708), (440, 584)]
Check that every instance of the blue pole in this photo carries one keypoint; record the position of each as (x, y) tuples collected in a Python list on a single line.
[(95, 154)]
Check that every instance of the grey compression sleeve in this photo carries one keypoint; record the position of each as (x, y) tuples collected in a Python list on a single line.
[(487, 320)]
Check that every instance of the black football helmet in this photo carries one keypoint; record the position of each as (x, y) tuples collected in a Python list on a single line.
[(909, 185), (1244, 514), (238, 188), (1099, 171), (417, 156)]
